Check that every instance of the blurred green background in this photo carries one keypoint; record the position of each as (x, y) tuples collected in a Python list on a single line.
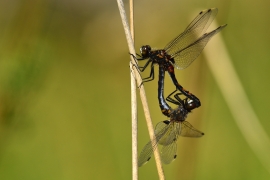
[(65, 89)]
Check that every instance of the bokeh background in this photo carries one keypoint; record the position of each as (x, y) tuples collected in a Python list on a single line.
[(65, 89)]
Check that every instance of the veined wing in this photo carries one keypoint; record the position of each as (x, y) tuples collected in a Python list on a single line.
[(184, 57), (194, 30), (160, 130), (168, 153), (171, 134), (166, 136), (187, 130)]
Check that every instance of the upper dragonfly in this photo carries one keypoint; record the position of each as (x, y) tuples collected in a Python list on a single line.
[(182, 50)]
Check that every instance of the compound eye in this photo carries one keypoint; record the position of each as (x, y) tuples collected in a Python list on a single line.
[(190, 105), (145, 50), (148, 48)]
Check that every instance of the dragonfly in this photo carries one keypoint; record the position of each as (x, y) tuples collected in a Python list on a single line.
[(168, 131), (181, 51)]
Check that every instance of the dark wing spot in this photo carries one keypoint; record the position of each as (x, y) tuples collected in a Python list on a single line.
[(166, 122)]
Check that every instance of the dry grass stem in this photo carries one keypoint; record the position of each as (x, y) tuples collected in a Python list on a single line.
[(221, 66), (134, 111), (141, 89)]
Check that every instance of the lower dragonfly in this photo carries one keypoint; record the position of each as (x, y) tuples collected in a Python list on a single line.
[(168, 131)]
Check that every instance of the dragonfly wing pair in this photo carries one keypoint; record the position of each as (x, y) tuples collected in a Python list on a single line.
[(187, 46), (166, 134)]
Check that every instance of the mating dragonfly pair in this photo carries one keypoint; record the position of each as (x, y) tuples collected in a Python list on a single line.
[(179, 53)]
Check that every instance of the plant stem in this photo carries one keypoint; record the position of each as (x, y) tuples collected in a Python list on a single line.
[(134, 111), (141, 89)]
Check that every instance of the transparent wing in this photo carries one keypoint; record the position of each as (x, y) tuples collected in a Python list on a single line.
[(161, 125), (187, 130), (146, 153), (194, 30), (203, 20), (168, 153), (171, 134), (166, 134), (184, 57)]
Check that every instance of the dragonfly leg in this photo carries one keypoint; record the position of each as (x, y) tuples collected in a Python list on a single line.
[(177, 97), (171, 100), (152, 72)]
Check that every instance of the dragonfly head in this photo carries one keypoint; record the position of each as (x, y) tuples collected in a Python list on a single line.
[(145, 51), (190, 105)]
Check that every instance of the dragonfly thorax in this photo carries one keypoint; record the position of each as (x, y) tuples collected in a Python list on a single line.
[(179, 114), (157, 57)]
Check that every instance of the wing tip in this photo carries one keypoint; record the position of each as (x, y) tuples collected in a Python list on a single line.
[(140, 164), (202, 134)]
